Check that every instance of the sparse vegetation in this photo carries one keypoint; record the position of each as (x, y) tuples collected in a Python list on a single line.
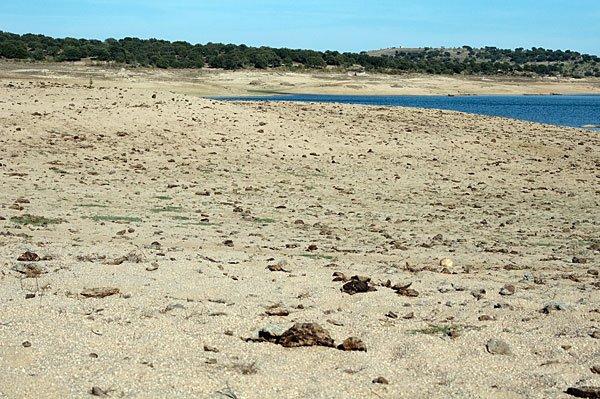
[(112, 218), (31, 220)]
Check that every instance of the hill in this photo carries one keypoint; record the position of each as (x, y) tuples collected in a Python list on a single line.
[(180, 54)]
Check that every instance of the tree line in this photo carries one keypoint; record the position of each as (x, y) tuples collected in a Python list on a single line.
[(179, 54)]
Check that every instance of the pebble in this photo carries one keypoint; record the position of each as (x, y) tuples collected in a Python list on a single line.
[(353, 344), (508, 289), (498, 347), (447, 262), (381, 380), (554, 306)]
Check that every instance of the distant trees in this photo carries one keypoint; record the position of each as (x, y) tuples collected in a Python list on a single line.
[(164, 54)]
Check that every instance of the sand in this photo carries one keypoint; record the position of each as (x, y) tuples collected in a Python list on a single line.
[(180, 204), (210, 82)]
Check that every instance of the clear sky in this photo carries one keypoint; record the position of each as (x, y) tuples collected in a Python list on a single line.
[(345, 25)]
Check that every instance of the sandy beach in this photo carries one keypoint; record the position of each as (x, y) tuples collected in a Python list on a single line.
[(148, 235)]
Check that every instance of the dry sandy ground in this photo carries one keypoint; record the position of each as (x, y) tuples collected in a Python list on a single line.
[(182, 203), (222, 83)]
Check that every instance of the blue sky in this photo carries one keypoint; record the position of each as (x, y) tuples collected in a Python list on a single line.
[(345, 25)]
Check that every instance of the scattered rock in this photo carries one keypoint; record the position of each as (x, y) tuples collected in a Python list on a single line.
[(305, 334), (381, 380), (152, 267), (595, 369), (391, 315), (279, 266), (208, 348), (498, 347), (446, 262), (508, 289), (405, 290), (28, 257), (277, 311), (358, 284), (26, 344), (96, 391), (595, 334), (339, 276), (577, 259), (29, 270), (228, 243), (584, 392), (554, 306), (99, 292), (353, 344)]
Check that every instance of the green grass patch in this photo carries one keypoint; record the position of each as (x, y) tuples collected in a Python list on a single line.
[(264, 220), (167, 209), (31, 220), (93, 206), (177, 217), (113, 218), (163, 197)]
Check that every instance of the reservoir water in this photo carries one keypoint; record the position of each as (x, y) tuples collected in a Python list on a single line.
[(564, 110)]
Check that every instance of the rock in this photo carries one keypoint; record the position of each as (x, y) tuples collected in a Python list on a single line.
[(391, 315), (554, 306), (279, 266), (277, 311), (312, 247), (577, 259), (381, 380), (152, 267), (96, 391), (210, 349), (99, 292), (528, 277), (357, 284), (497, 347), (26, 344), (353, 344), (595, 369), (155, 245), (584, 392), (595, 334), (271, 332), (485, 317), (228, 243), (446, 262), (28, 257), (405, 290), (339, 276), (508, 289), (305, 334), (445, 288), (29, 270)]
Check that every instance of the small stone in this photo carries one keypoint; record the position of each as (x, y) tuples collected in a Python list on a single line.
[(305, 334), (279, 266), (99, 292), (339, 276), (485, 317), (277, 311), (445, 288), (28, 257), (391, 315), (595, 369), (271, 332), (353, 344), (380, 380), (595, 334), (96, 391), (210, 349), (577, 259), (228, 243), (357, 284), (508, 289), (497, 347), (312, 247), (447, 262), (29, 296), (584, 392), (554, 306), (152, 267), (409, 315), (26, 344), (528, 277)]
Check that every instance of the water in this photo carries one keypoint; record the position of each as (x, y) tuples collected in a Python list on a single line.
[(574, 111)]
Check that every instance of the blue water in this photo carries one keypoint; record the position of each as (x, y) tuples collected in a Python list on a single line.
[(574, 111)]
